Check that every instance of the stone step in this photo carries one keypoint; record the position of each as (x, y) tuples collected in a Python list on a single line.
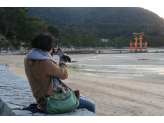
[(13, 98)]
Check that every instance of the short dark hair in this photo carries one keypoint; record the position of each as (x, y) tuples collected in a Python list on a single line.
[(43, 41)]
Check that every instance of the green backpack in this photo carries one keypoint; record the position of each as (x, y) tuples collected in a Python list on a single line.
[(59, 103)]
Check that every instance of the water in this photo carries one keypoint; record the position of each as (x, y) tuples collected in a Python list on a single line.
[(122, 66)]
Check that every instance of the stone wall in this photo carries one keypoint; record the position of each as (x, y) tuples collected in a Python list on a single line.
[(5, 109), (15, 93)]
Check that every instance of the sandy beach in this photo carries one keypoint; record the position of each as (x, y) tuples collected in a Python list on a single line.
[(119, 84)]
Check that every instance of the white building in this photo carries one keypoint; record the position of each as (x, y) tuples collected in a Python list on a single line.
[(104, 40)]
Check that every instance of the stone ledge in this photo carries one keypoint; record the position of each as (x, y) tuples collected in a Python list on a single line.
[(16, 110), (15, 93)]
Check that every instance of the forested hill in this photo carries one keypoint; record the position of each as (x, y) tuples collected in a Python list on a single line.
[(107, 22), (80, 26), (72, 16)]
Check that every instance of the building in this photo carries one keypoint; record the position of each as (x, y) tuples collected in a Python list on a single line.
[(104, 40)]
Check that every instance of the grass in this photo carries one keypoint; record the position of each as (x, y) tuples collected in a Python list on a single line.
[(80, 68), (72, 66), (86, 71), (76, 70)]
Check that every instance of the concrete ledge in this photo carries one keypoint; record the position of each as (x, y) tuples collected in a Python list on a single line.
[(5, 109), (13, 110), (15, 93)]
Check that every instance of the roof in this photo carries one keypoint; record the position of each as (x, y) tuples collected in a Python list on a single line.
[(105, 40), (142, 33)]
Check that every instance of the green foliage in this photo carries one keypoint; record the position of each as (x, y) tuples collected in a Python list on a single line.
[(154, 40), (25, 44), (114, 23), (12, 18), (15, 21), (54, 30), (32, 27), (73, 16), (81, 27), (4, 44), (75, 37), (14, 43)]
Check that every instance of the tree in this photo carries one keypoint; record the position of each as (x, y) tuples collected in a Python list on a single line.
[(118, 42), (4, 44), (31, 28), (26, 44), (13, 18), (5, 13), (15, 21), (92, 40), (15, 44), (75, 40), (54, 30)]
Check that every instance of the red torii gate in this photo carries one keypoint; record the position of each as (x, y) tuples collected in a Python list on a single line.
[(138, 36)]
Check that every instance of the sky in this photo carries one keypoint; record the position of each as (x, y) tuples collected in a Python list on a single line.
[(157, 10)]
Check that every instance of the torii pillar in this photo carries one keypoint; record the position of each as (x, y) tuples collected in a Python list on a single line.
[(138, 36)]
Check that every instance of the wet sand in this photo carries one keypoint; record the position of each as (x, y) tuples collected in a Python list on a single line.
[(116, 94)]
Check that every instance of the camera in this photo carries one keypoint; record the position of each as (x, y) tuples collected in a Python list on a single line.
[(60, 52)]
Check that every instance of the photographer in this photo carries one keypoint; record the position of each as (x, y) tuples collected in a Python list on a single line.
[(46, 71)]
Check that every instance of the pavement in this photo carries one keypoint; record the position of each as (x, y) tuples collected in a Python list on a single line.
[(15, 94)]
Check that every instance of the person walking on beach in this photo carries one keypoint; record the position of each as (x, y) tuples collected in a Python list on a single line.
[(46, 72)]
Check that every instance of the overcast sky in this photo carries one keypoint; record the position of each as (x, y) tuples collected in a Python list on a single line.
[(157, 10)]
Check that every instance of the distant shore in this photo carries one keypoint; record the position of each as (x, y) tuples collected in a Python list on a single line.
[(98, 50)]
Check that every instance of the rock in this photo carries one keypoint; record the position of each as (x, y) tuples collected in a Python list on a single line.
[(15, 93), (22, 113), (83, 112), (7, 100), (1, 107), (6, 110), (39, 114), (12, 113), (13, 106), (7, 94), (77, 112)]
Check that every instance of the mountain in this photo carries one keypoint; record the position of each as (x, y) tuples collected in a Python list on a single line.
[(107, 22)]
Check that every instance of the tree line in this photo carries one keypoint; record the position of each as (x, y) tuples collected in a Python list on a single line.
[(20, 28), (74, 16), (113, 23)]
